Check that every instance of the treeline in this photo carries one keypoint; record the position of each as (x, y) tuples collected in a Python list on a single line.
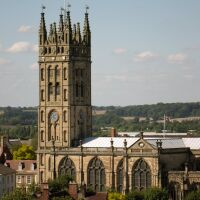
[(21, 122), (102, 123), (156, 111), (18, 116)]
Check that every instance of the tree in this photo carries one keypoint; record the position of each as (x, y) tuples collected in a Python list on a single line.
[(24, 153)]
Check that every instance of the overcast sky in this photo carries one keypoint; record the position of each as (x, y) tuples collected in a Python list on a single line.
[(143, 51)]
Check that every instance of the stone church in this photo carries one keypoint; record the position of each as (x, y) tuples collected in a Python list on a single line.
[(65, 142)]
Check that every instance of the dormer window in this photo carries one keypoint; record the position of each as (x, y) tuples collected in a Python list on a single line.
[(7, 164), (33, 166), (21, 166)]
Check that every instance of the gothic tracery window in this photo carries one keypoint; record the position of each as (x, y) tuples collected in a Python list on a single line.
[(96, 175), (67, 167), (120, 176), (141, 175)]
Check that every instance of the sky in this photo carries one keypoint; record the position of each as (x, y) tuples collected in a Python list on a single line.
[(143, 51)]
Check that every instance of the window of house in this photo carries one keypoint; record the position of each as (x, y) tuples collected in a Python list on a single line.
[(19, 179), (28, 179)]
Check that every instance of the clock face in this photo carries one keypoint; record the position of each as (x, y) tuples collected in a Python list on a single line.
[(54, 116)]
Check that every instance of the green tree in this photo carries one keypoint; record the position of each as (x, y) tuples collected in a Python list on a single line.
[(24, 153)]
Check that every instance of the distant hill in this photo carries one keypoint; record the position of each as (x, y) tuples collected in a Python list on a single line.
[(155, 111), (22, 121)]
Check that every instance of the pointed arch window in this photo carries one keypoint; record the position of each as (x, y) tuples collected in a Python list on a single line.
[(96, 175), (120, 176), (141, 175), (67, 167)]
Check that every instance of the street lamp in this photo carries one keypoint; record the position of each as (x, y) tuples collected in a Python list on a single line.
[(54, 158)]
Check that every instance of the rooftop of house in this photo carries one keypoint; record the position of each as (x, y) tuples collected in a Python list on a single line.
[(6, 170), (22, 165)]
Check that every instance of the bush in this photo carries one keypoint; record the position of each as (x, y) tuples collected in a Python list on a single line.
[(135, 195), (195, 195), (115, 196), (59, 184), (155, 194), (17, 194)]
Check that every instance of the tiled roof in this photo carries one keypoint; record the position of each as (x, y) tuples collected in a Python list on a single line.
[(6, 170)]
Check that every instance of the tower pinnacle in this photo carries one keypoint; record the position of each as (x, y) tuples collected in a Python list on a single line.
[(86, 29), (42, 29)]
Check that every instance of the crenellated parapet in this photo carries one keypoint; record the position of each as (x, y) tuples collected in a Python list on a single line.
[(64, 40)]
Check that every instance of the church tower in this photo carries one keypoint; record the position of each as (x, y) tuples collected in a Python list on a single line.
[(64, 85)]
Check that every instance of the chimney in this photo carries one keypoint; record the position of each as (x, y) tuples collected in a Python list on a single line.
[(113, 132), (73, 190), (45, 192)]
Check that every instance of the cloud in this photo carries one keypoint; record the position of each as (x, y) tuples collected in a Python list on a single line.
[(4, 61), (34, 66), (177, 58), (120, 51), (20, 47), (25, 29), (145, 56)]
